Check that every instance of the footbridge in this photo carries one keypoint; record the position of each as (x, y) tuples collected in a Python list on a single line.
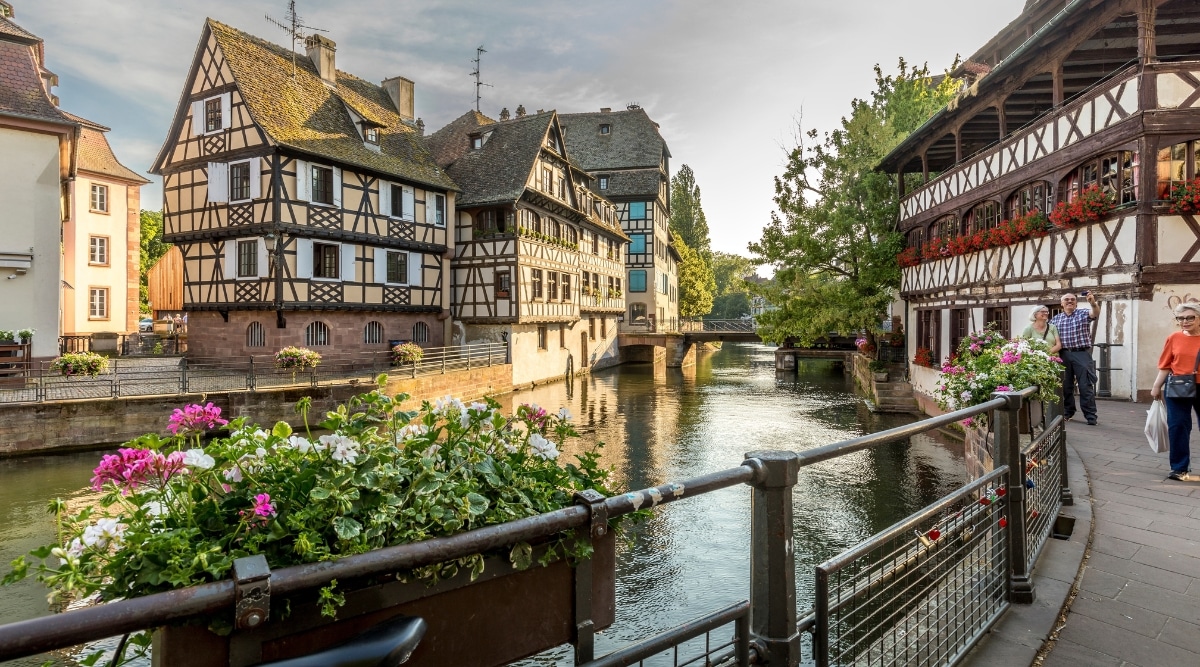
[(678, 343)]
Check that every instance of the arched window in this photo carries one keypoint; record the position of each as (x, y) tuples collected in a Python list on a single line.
[(946, 227), (420, 333), (1177, 164), (1030, 197), (1115, 173), (373, 333), (256, 335), (316, 333), (984, 216), (916, 238)]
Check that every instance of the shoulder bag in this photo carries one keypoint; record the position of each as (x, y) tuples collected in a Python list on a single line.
[(1182, 386)]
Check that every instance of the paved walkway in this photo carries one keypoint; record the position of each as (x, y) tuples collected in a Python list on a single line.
[(1139, 593)]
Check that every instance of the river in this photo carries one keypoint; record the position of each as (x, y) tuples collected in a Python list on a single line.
[(659, 425)]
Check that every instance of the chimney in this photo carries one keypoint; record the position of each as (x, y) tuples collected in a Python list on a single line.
[(504, 115), (520, 111), (401, 90), (320, 51), (605, 109)]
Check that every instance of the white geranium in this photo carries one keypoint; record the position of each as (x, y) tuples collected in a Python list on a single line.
[(564, 414), (542, 447), (341, 448), (412, 431), (155, 508), (300, 444), (103, 533), (196, 458), (234, 474), (965, 396)]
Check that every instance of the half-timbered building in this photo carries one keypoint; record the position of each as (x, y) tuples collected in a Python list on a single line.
[(629, 163), (305, 204), (538, 255), (1068, 98)]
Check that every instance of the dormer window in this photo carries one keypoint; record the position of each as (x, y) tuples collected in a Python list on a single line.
[(605, 128), (371, 135), (476, 142), (603, 182)]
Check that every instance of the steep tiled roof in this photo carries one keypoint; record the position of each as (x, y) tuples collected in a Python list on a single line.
[(96, 155), (21, 90), (499, 171), (633, 139), (306, 115), (451, 142)]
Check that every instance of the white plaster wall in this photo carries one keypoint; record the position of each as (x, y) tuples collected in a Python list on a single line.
[(114, 276), (31, 221), (1154, 323), (531, 364), (923, 380)]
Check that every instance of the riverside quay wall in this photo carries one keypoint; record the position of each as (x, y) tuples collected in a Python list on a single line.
[(63, 426)]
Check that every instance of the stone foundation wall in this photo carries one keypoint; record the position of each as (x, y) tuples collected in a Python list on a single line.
[(209, 335), (77, 425)]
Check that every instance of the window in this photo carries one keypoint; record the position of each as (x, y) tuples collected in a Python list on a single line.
[(1000, 317), (239, 181), (1028, 198), (322, 185), (1115, 173), (662, 283), (637, 244), (946, 227), (960, 324), (98, 250), (503, 285), (373, 333), (547, 180), (595, 243), (397, 267), (99, 198), (603, 328), (983, 217), (98, 303), (596, 284), (929, 331), (397, 201), (325, 261), (247, 259), (439, 210), (637, 280), (372, 135), (637, 210), (552, 285), (316, 333), (476, 142), (562, 336), (637, 312), (612, 286), (1177, 164), (605, 128), (541, 337), (592, 328), (603, 182), (536, 282), (256, 335), (916, 238), (618, 284), (566, 287), (212, 115), (420, 333)]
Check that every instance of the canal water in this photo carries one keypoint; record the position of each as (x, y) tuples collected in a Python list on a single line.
[(658, 425)]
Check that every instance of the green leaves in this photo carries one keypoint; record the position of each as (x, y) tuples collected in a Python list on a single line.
[(477, 504), (346, 528)]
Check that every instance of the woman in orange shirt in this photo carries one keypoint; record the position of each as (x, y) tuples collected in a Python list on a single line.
[(1180, 356)]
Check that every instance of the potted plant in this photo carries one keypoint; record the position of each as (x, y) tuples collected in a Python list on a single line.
[(296, 359), (923, 357), (1185, 196), (407, 353), (379, 476), (1089, 206), (75, 364), (26, 335), (7, 336), (879, 370)]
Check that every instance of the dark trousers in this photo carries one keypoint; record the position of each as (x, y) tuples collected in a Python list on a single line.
[(1081, 369), (1179, 430)]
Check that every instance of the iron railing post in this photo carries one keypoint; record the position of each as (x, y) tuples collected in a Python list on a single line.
[(183, 376), (772, 560), (1008, 452), (251, 377), (468, 357)]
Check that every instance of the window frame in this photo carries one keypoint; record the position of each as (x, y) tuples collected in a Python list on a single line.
[(535, 283), (503, 284), (105, 303), (605, 128), (317, 334), (566, 286), (242, 245), (403, 255), (1000, 315), (541, 337), (639, 273), (234, 185), (316, 170), (256, 334), (603, 182), (98, 202), (552, 285), (92, 245), (212, 109), (317, 263)]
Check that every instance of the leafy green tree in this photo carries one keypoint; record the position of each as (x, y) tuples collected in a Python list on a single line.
[(153, 248), (695, 276), (687, 215), (731, 299), (833, 240)]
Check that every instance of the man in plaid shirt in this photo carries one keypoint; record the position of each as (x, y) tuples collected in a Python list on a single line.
[(1075, 330)]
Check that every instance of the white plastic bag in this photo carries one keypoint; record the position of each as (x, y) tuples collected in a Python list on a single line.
[(1156, 427)]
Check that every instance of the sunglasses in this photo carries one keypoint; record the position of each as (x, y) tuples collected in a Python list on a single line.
[(1185, 318)]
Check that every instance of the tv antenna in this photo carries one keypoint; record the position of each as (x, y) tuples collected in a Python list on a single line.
[(478, 84), (294, 26)]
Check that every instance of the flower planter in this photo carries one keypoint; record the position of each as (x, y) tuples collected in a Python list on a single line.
[(504, 615), (880, 377), (980, 444)]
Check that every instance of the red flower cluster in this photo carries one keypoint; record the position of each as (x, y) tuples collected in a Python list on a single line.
[(908, 257), (1008, 232), (923, 357), (1185, 197), (1091, 205)]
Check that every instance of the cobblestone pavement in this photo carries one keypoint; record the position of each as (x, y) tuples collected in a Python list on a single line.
[(1139, 595)]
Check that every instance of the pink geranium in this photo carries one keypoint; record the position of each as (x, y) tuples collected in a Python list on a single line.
[(195, 418), (132, 468), (263, 506)]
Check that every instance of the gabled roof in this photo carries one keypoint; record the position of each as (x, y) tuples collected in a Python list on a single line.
[(308, 116), (22, 93), (96, 155), (499, 171), (633, 139)]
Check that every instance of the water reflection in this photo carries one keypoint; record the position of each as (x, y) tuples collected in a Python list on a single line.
[(659, 425)]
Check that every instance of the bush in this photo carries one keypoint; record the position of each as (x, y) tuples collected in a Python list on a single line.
[(877, 366), (294, 359), (88, 364), (987, 366), (407, 353)]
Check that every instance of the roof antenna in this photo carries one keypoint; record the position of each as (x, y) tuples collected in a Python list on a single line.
[(294, 26), (478, 84)]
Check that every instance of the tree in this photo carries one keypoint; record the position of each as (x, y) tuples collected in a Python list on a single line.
[(833, 239), (695, 276), (153, 248), (731, 299), (687, 216)]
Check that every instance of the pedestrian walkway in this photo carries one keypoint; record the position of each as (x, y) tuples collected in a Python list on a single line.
[(1139, 592)]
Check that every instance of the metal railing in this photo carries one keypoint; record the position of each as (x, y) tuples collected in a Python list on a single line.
[(731, 326), (907, 595), (35, 382)]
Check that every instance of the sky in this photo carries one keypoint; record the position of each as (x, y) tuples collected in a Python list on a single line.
[(727, 82)]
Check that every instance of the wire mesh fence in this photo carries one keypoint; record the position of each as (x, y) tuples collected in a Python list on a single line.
[(1043, 464)]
